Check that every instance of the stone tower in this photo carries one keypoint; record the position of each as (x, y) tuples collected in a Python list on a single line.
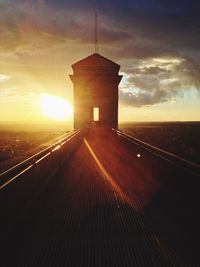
[(95, 79)]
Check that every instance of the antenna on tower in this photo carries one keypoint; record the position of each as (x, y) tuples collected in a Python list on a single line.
[(96, 34)]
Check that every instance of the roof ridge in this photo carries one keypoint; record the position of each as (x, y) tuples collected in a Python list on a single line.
[(92, 56)]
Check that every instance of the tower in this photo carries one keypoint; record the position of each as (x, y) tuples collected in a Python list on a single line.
[(95, 80)]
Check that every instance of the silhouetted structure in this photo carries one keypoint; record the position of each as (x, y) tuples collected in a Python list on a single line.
[(96, 79)]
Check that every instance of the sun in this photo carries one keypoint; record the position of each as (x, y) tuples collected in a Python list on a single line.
[(56, 108)]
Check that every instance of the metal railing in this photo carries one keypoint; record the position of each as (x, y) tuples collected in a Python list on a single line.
[(180, 162), (11, 174)]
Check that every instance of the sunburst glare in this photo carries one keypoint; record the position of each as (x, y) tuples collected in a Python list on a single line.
[(56, 108)]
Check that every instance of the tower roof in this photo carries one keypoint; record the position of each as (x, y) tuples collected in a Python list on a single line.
[(95, 60)]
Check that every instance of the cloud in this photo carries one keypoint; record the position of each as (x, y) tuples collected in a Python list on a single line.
[(154, 70), (143, 98), (191, 68), (4, 78), (135, 29), (163, 80)]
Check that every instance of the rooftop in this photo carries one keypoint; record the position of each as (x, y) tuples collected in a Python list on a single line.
[(95, 60)]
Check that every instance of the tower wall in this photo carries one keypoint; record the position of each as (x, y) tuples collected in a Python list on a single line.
[(96, 86)]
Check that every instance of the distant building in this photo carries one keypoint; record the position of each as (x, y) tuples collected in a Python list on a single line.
[(95, 79)]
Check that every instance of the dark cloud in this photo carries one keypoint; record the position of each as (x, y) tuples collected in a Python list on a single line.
[(145, 28), (143, 98), (146, 86), (191, 68), (154, 70)]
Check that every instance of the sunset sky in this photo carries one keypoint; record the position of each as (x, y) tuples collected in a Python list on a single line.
[(155, 42)]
